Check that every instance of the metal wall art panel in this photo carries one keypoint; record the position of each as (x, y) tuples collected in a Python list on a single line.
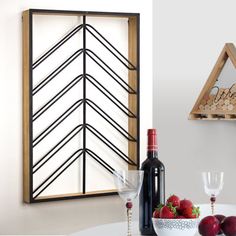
[(80, 102)]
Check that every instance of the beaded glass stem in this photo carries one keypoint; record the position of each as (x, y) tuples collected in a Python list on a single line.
[(213, 200), (129, 206)]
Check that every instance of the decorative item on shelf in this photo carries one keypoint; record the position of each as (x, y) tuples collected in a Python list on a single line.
[(80, 102), (217, 100), (153, 190)]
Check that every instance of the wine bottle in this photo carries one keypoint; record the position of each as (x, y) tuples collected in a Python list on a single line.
[(153, 189)]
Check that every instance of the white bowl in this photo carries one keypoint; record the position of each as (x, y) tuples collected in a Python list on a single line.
[(175, 227)]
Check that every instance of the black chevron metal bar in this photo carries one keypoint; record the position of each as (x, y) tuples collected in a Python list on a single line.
[(111, 97), (100, 160), (57, 46), (57, 122), (43, 160), (84, 103), (57, 71), (55, 98), (130, 67), (80, 151), (110, 71), (109, 144), (110, 120)]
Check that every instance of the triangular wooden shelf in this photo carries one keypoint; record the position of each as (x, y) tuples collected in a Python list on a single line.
[(214, 102)]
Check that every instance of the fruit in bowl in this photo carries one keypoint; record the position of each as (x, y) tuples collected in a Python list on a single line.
[(176, 218)]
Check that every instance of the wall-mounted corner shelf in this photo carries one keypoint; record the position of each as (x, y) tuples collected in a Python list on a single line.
[(217, 100)]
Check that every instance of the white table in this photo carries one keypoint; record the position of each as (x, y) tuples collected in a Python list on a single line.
[(120, 228), (115, 229)]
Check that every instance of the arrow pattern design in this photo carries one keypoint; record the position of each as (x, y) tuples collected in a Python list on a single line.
[(84, 127)]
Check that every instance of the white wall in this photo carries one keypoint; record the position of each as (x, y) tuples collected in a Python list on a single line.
[(154, 62), (189, 36), (55, 217)]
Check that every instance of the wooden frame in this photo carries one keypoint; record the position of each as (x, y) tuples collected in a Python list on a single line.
[(133, 98), (204, 108)]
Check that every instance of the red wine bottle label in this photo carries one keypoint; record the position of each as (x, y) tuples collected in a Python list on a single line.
[(152, 140)]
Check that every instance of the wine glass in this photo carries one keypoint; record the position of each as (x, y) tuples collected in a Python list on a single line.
[(128, 183), (213, 184)]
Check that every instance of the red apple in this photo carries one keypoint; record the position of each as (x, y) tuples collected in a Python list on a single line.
[(220, 218), (209, 226), (229, 226)]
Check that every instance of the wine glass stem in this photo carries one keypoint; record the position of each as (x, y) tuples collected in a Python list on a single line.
[(213, 199), (129, 218)]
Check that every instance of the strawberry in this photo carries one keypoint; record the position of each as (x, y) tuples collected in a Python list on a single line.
[(174, 200), (191, 212), (156, 213), (184, 204), (168, 212)]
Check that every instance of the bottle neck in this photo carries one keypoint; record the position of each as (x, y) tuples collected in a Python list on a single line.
[(151, 144), (152, 154)]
